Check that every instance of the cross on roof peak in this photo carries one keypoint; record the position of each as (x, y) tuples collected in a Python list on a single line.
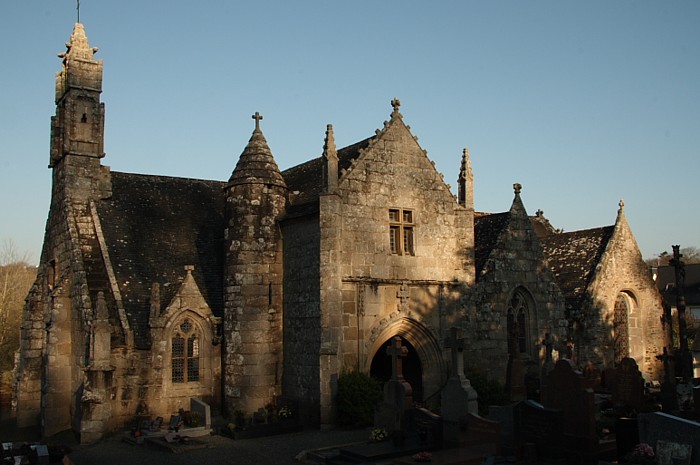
[(257, 117), (395, 103)]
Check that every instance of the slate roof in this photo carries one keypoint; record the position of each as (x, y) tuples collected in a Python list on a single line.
[(154, 226), (487, 228), (307, 178), (573, 257)]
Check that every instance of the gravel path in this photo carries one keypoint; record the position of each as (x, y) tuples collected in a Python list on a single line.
[(272, 450)]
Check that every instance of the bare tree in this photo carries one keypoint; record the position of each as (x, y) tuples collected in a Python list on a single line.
[(690, 255), (16, 278)]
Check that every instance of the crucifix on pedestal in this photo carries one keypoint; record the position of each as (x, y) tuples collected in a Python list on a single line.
[(397, 352), (455, 342)]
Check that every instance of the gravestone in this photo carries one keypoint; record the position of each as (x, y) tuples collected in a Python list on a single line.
[(458, 397), (39, 454), (516, 370), (397, 394), (203, 410), (504, 416), (626, 436), (592, 374), (659, 426), (672, 453), (567, 391), (628, 388), (540, 426), (482, 431)]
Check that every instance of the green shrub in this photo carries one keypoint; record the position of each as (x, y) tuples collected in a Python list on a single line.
[(357, 399), (490, 391)]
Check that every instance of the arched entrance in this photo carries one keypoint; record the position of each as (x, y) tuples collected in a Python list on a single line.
[(412, 368)]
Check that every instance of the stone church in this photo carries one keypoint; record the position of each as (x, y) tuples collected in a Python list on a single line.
[(152, 290)]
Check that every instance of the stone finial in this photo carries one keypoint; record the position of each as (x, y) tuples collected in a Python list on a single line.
[(155, 301), (395, 104), (257, 117), (189, 269), (330, 161), (101, 312), (517, 187), (329, 143), (621, 204), (465, 182)]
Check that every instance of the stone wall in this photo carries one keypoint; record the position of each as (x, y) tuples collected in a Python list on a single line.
[(516, 262), (302, 315), (623, 271), (368, 290)]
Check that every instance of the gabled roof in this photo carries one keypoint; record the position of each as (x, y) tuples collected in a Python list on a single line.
[(155, 225), (573, 257), (487, 228), (305, 181)]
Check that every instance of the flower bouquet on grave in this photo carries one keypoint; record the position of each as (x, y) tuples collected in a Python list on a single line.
[(422, 457), (378, 435), (284, 413), (642, 454)]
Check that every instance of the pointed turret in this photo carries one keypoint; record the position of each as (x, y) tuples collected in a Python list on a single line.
[(256, 196), (465, 182), (330, 161), (256, 164)]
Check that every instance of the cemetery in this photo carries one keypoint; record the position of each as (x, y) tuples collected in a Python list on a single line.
[(578, 417)]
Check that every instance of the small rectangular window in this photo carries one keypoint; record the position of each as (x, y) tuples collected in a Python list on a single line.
[(394, 238), (401, 232)]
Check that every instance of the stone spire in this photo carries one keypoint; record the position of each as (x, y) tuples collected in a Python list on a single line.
[(256, 164), (465, 182), (80, 69), (330, 161)]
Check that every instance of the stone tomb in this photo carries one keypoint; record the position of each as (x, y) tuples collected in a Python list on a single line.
[(659, 426), (482, 431), (628, 384), (458, 397), (398, 394), (567, 390), (543, 428)]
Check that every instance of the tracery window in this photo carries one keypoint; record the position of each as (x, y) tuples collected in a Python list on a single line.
[(185, 353), (401, 228), (621, 338), (518, 323)]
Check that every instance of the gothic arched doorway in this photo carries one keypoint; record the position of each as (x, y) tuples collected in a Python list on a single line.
[(412, 368)]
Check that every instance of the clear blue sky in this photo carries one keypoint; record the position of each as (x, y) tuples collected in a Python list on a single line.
[(582, 102)]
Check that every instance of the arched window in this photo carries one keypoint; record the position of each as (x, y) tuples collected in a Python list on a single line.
[(621, 336), (518, 323), (185, 353)]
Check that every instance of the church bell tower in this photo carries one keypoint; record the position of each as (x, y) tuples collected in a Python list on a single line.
[(77, 130)]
